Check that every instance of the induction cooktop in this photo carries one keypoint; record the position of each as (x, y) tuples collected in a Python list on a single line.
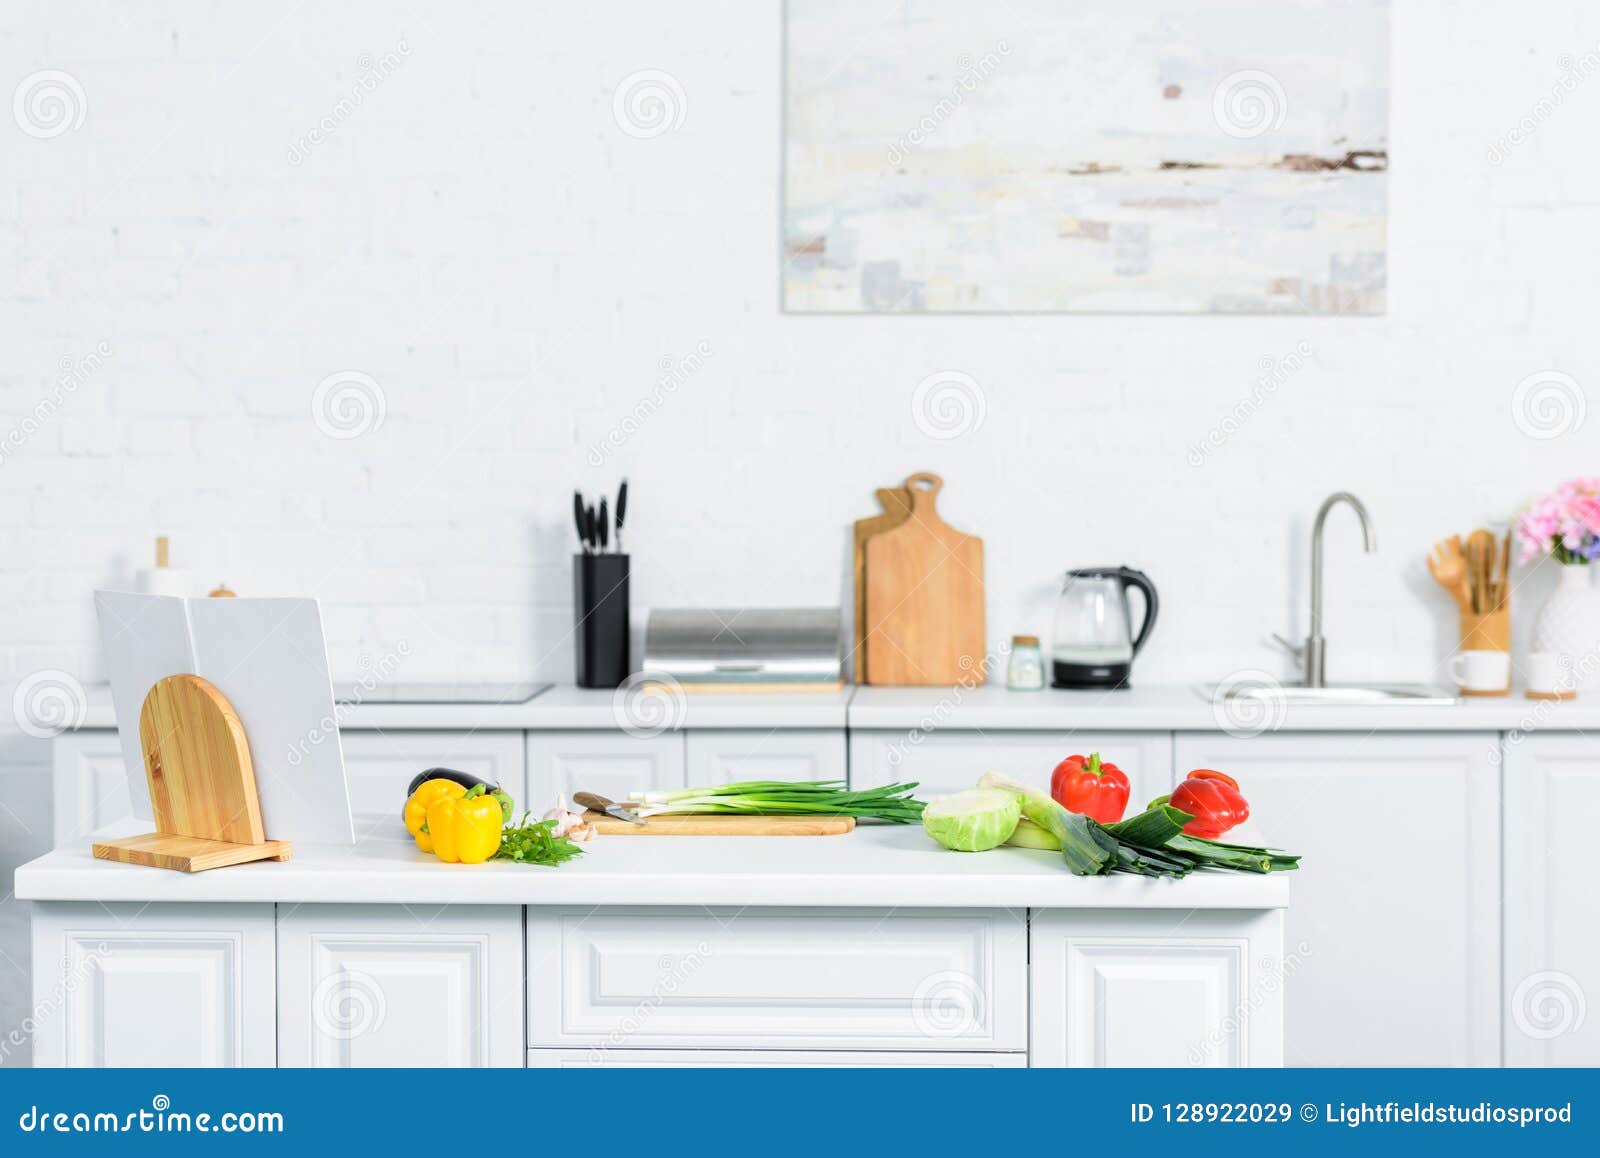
[(377, 691)]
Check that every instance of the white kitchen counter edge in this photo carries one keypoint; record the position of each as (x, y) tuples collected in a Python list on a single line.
[(871, 867)]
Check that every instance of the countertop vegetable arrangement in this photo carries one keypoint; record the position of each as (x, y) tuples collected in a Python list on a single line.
[(1171, 838), (470, 825)]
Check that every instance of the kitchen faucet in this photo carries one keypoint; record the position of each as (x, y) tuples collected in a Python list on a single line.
[(1312, 654)]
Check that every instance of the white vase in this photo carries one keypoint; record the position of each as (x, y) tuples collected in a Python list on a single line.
[(1569, 625)]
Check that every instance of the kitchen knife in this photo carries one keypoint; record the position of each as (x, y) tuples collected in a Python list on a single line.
[(610, 808), (605, 526), (622, 511), (578, 519)]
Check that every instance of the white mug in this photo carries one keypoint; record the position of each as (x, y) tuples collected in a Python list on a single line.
[(1483, 673), (1549, 675)]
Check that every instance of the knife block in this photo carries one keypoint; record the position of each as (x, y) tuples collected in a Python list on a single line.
[(601, 631), (202, 784)]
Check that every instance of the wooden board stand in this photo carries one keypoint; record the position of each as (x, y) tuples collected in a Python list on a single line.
[(202, 784)]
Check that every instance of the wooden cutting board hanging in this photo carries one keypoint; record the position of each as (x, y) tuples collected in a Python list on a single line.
[(925, 597), (896, 503)]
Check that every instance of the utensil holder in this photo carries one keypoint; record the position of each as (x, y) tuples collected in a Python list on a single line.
[(600, 605), (1490, 631)]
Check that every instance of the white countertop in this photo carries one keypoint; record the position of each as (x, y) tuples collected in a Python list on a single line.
[(876, 866), (1158, 709), (1185, 708)]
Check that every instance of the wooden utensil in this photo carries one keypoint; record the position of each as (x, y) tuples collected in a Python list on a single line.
[(924, 597), (1502, 584), (202, 784), (722, 825), (1449, 570), (1480, 562), (896, 504)]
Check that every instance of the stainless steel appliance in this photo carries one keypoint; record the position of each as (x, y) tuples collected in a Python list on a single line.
[(747, 648)]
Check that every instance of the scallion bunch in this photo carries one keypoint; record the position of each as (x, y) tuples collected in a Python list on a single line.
[(892, 802)]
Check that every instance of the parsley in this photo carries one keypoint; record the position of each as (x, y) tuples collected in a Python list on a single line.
[(534, 843)]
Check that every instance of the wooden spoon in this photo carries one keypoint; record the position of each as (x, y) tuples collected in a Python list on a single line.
[(1502, 586), (1449, 570)]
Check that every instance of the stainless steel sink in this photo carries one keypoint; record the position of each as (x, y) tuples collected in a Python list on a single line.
[(1335, 695)]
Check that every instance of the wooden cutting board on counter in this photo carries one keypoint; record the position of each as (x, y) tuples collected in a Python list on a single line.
[(694, 825), (924, 597), (896, 503)]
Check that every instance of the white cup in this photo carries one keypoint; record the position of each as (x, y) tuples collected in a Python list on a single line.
[(1549, 674), (1482, 673)]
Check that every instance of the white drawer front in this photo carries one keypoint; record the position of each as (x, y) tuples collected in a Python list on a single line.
[(950, 760), (90, 783), (610, 763), (677, 1059), (396, 985), (726, 757), (379, 766), (937, 980)]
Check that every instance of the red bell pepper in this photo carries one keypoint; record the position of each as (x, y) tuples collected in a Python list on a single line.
[(1090, 788), (1213, 799)]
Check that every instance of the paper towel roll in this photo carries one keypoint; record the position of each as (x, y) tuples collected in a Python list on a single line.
[(166, 581)]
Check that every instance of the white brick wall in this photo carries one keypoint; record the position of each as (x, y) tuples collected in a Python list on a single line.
[(482, 239)]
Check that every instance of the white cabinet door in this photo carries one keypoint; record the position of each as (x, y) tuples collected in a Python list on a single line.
[(379, 766), (725, 757), (152, 985), (1164, 988), (1552, 938), (1394, 915), (391, 985), (610, 763), (807, 979), (949, 760), (88, 783), (768, 1059)]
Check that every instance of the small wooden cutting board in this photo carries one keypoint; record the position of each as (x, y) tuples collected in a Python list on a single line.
[(697, 825)]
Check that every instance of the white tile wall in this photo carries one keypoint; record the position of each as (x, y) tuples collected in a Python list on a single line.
[(480, 237)]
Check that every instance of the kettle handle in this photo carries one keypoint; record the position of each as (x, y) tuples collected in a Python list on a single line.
[(1152, 604)]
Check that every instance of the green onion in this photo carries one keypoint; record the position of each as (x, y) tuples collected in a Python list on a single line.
[(892, 802)]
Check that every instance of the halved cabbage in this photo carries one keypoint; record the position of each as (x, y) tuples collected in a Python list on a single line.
[(974, 820)]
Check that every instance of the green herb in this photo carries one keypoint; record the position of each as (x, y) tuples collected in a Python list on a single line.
[(535, 843), (892, 802)]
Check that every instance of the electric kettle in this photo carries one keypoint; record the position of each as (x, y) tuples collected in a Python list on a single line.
[(1094, 641)]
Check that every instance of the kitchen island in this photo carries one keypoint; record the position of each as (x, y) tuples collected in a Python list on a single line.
[(1476, 952), (877, 947)]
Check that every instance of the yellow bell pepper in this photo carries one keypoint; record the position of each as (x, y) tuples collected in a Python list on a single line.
[(465, 828), (416, 810)]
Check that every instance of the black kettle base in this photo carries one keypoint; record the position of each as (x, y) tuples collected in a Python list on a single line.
[(1089, 675)]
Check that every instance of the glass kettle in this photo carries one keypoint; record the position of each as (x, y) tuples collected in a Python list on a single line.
[(1094, 642)]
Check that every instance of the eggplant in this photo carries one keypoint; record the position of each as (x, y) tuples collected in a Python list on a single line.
[(466, 779)]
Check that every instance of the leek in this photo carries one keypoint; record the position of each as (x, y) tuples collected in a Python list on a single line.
[(892, 802)]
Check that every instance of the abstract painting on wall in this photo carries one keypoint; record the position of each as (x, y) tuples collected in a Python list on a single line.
[(1097, 156)]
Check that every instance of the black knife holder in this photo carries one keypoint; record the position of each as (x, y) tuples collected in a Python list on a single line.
[(600, 603)]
